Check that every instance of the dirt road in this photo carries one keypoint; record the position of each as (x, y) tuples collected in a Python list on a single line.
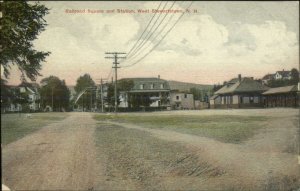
[(80, 153), (59, 156)]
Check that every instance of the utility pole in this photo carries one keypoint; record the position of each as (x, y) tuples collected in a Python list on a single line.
[(101, 92), (91, 99), (102, 109), (96, 100), (52, 100), (115, 57)]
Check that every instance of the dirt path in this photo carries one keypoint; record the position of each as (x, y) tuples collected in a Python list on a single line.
[(269, 159), (59, 156), (63, 156)]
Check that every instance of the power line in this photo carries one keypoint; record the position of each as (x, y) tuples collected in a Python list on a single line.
[(144, 31), (159, 33), (160, 40), (150, 32)]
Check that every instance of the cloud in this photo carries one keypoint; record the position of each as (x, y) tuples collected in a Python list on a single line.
[(200, 44), (200, 47), (78, 46)]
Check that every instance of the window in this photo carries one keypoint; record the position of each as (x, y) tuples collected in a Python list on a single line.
[(185, 95), (161, 86), (241, 99), (177, 97), (151, 86), (142, 86), (251, 99)]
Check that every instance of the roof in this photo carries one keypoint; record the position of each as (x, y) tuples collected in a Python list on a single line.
[(151, 84), (213, 97), (268, 76), (280, 90), (284, 73), (246, 85)]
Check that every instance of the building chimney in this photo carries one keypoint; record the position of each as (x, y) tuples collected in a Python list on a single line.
[(158, 77), (240, 77)]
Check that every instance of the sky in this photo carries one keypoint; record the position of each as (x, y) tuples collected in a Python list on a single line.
[(212, 43)]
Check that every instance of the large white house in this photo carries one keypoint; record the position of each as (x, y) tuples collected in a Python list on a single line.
[(283, 75)]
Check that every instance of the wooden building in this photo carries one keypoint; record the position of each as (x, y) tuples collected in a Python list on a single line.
[(239, 93), (286, 96)]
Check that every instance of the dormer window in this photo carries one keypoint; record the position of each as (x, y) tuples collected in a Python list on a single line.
[(151, 86)]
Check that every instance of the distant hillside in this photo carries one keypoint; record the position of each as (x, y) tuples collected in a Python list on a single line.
[(185, 86)]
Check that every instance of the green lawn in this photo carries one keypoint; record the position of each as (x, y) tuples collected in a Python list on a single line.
[(15, 126), (225, 128)]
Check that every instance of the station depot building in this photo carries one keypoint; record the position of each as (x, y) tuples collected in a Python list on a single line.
[(239, 93), (246, 93)]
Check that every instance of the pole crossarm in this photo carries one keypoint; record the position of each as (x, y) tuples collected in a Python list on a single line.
[(115, 57)]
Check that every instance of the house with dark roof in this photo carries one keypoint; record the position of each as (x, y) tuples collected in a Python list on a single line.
[(239, 93), (287, 96), (283, 75), (146, 93)]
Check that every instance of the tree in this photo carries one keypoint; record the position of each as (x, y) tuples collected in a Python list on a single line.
[(124, 85), (6, 94), (197, 93), (294, 76), (216, 87), (20, 25), (111, 95), (54, 91), (84, 82)]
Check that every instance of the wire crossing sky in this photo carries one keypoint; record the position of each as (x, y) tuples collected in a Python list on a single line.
[(212, 43)]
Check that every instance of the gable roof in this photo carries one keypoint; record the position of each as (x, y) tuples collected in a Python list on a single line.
[(284, 73), (279, 90), (246, 85)]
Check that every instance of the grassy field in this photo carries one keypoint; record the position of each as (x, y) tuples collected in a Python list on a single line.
[(148, 162), (15, 126), (225, 128)]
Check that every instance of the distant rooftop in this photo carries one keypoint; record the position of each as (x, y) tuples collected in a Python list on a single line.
[(279, 90), (245, 85)]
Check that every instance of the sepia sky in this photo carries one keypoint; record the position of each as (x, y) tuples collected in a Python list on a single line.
[(214, 44)]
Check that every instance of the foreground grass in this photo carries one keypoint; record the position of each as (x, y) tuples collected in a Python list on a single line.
[(16, 126), (134, 156), (225, 128)]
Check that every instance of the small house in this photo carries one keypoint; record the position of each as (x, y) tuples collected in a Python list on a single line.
[(181, 100)]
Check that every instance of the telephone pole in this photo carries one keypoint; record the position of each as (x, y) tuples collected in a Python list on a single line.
[(102, 109), (115, 63)]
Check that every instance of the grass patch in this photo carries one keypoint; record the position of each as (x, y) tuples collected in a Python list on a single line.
[(15, 126), (147, 161), (225, 128)]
